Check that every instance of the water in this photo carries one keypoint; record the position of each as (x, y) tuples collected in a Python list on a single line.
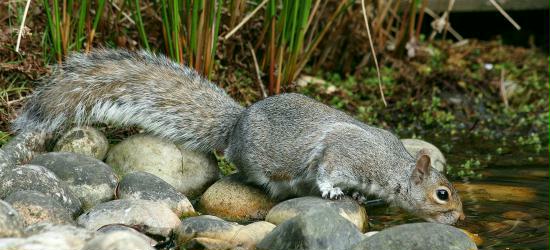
[(508, 207)]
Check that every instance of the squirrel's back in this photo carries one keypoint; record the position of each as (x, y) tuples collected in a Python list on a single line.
[(133, 88), (280, 135)]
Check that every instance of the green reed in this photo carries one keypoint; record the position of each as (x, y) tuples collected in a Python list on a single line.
[(66, 30), (287, 51), (190, 30)]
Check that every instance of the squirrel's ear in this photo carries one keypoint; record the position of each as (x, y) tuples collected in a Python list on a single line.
[(422, 168)]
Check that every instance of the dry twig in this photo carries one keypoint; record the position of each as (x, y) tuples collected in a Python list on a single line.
[(508, 17), (450, 28), (245, 19), (373, 53), (258, 74), (22, 25), (503, 88)]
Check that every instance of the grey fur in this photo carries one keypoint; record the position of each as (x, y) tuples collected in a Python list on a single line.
[(129, 88), (289, 144), (293, 145)]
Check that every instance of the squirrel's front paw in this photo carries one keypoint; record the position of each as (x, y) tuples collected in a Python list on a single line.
[(334, 193), (359, 197)]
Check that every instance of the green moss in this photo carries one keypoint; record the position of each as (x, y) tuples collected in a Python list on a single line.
[(225, 166), (4, 138)]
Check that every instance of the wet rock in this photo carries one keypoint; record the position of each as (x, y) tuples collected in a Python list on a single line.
[(493, 192), (231, 199), (11, 223), (35, 207), (210, 232), (123, 228), (347, 208), (474, 237), (145, 186), (418, 236), (156, 218), (319, 229), (517, 215), (84, 140), (50, 237), (189, 172), (91, 180), (413, 146), (120, 240), (38, 178)]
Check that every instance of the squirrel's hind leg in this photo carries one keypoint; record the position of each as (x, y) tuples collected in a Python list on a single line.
[(279, 190)]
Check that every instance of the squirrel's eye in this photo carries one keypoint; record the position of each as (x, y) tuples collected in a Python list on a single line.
[(442, 194)]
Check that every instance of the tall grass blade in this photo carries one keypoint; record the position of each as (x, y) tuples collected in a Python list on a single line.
[(82, 15), (140, 24), (99, 12)]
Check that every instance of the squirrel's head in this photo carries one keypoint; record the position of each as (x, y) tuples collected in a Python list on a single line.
[(433, 197)]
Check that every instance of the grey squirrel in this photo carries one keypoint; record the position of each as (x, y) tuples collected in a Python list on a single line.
[(289, 144)]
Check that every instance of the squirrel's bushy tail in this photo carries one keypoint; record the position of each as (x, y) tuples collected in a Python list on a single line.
[(133, 88)]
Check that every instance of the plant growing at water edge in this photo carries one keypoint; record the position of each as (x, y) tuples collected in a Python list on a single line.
[(468, 169)]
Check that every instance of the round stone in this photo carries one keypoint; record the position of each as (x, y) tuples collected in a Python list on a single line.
[(11, 223), (188, 171), (91, 180), (231, 199), (347, 208), (44, 236), (124, 228), (211, 231), (41, 179), (205, 226), (119, 240), (156, 218), (35, 207), (317, 229), (83, 140), (145, 186), (418, 236)]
